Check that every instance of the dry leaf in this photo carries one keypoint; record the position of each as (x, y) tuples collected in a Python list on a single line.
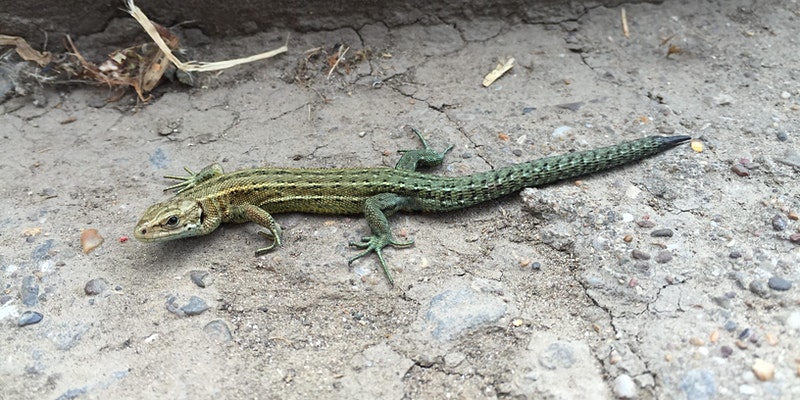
[(497, 72), (25, 50), (90, 240)]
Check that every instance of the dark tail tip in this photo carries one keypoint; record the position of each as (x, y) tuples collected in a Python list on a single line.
[(667, 142)]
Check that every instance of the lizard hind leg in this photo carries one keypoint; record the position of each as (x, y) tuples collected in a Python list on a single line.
[(425, 157), (376, 209)]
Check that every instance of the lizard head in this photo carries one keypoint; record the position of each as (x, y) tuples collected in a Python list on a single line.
[(169, 220)]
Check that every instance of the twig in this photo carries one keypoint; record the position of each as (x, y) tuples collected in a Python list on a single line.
[(338, 60), (624, 17)]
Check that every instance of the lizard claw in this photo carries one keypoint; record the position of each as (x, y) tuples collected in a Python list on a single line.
[(193, 179), (276, 242), (375, 244)]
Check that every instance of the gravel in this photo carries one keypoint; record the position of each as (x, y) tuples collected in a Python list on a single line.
[(664, 232), (95, 286), (29, 318), (29, 291), (779, 284)]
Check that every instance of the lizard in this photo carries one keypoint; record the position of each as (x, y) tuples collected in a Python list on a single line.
[(210, 197)]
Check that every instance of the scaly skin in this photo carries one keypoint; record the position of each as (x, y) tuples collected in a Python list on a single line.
[(211, 197)]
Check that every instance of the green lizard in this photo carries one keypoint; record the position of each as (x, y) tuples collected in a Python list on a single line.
[(210, 197)]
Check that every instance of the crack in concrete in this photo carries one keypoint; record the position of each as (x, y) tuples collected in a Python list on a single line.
[(595, 302), (237, 118)]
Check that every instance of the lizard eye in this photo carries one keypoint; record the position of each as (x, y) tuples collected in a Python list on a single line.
[(172, 220)]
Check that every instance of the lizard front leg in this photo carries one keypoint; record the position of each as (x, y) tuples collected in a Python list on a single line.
[(194, 178), (376, 209), (252, 213)]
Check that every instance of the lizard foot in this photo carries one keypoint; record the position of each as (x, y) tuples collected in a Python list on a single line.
[(190, 181), (276, 242), (376, 244)]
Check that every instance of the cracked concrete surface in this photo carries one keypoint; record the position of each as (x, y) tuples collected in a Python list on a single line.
[(566, 291)]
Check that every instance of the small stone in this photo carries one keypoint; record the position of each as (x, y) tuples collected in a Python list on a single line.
[(772, 340), (793, 216), (195, 306), (779, 223), (735, 254), (744, 334), (730, 326), (95, 286), (640, 255), (782, 136), (29, 291), (29, 318), (663, 257), (723, 302), (754, 338), (624, 387), (696, 341), (627, 239), (795, 238), (740, 170), (714, 336), (198, 277), (726, 351), (665, 232), (763, 370), (785, 95), (741, 344), (779, 284), (218, 331), (759, 287), (645, 223)]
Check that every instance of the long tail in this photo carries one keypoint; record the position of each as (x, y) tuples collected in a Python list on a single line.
[(477, 188)]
